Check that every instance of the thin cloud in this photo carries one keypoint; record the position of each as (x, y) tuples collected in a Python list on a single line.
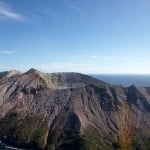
[(61, 67), (7, 52), (94, 56), (125, 58), (50, 12), (76, 8), (7, 12), (84, 65), (108, 58)]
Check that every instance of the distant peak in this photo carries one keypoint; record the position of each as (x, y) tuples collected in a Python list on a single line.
[(133, 86), (32, 70), (12, 73)]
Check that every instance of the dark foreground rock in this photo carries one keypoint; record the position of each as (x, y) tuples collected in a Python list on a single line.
[(72, 111)]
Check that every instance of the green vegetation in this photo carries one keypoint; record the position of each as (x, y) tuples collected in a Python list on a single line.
[(91, 139), (141, 143), (7, 125), (26, 128), (52, 139), (40, 137), (28, 133), (32, 133)]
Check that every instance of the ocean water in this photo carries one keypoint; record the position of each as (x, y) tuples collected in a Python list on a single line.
[(125, 80), (6, 147), (2, 147)]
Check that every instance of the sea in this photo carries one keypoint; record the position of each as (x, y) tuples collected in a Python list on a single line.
[(7, 147), (114, 79), (125, 79)]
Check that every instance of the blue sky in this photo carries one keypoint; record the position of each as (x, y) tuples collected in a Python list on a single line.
[(87, 36)]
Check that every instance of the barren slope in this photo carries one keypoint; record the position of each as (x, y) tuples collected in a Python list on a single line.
[(67, 111)]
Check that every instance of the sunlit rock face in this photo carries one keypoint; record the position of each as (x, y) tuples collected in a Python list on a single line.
[(70, 111)]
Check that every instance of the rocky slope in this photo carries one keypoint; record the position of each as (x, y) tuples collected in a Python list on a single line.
[(72, 111)]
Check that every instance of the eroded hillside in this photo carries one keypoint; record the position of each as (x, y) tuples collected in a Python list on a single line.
[(70, 111)]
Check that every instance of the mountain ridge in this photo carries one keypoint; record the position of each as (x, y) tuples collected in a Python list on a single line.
[(67, 111)]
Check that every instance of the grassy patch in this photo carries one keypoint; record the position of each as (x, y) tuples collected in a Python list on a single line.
[(27, 133), (91, 139), (141, 143)]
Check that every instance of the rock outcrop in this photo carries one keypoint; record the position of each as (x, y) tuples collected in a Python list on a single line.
[(70, 111)]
